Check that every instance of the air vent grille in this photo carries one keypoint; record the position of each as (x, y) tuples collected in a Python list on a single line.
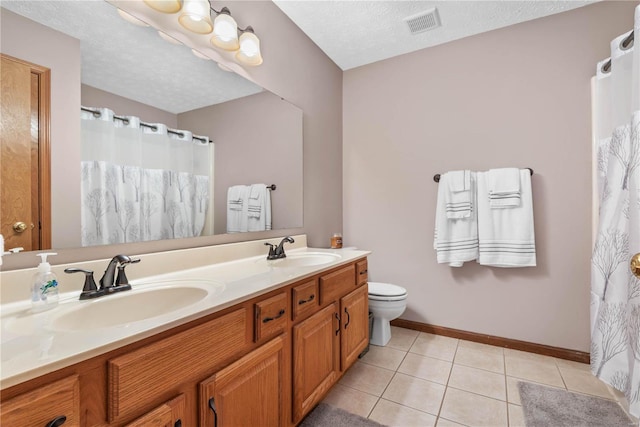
[(423, 21)]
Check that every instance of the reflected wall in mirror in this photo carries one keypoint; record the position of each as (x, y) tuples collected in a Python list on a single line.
[(257, 136)]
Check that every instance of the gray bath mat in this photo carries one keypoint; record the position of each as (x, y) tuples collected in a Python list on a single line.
[(325, 415), (552, 407)]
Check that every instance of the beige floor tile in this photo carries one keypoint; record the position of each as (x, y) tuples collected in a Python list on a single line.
[(402, 338), (562, 363), (516, 416), (415, 393), (472, 409), (477, 358), (368, 378), (585, 382), (436, 346), (392, 414), (384, 357), (513, 394), (478, 381), (543, 373), (351, 400), (443, 422), (427, 368), (524, 355), (479, 346)]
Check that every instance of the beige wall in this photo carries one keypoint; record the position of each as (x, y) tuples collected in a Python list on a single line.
[(27, 40), (96, 98), (258, 139), (518, 96)]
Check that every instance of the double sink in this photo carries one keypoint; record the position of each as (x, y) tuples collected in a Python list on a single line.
[(145, 301)]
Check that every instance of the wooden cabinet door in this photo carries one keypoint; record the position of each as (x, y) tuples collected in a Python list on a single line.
[(37, 408), (249, 392), (170, 414), (354, 312), (316, 359)]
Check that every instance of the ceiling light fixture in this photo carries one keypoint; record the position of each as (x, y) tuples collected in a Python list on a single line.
[(225, 30), (164, 6), (195, 16)]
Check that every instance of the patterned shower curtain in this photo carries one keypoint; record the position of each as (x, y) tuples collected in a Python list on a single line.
[(141, 183), (615, 291)]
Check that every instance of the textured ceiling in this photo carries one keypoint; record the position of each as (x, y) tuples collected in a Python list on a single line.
[(358, 32), (133, 61)]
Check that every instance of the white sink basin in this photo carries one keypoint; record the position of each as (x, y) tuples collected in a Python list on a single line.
[(123, 308), (305, 259)]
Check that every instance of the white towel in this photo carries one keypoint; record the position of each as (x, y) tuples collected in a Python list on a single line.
[(237, 205), (458, 196), (504, 187), (506, 236), (259, 208), (455, 240)]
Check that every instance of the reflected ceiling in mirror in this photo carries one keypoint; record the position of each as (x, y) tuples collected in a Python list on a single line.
[(257, 135)]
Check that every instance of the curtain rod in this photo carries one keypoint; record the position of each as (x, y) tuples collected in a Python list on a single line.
[(436, 177), (625, 44), (97, 113)]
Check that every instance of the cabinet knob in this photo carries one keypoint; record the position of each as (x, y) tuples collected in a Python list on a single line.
[(57, 421)]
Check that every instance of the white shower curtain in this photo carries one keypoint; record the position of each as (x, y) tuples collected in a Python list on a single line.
[(615, 291), (141, 183)]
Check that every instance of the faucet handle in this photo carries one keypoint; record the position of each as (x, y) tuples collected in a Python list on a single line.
[(272, 250), (121, 280), (89, 290)]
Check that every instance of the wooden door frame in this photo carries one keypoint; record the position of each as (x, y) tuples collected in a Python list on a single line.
[(44, 147)]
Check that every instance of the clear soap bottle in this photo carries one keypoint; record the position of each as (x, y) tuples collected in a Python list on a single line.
[(44, 290)]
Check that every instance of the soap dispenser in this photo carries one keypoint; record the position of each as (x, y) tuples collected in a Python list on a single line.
[(44, 291)]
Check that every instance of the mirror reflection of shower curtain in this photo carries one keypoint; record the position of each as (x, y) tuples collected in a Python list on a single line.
[(141, 184), (615, 292)]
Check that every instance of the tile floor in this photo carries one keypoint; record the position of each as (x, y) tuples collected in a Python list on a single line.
[(421, 379)]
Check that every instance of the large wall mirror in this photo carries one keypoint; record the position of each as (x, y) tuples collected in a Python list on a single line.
[(131, 71)]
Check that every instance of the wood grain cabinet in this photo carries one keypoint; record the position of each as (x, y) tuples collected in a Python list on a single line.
[(264, 362), (52, 405), (248, 392), (169, 414)]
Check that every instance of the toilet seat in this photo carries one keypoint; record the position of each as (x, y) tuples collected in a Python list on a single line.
[(386, 292)]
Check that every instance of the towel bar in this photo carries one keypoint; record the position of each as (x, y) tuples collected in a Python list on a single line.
[(436, 177)]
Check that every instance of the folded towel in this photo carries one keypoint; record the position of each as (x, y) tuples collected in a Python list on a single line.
[(504, 180), (455, 239), (237, 208), (458, 204), (259, 208), (506, 236), (504, 200), (459, 180)]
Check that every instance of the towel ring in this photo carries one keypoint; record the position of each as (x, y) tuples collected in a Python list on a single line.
[(436, 177)]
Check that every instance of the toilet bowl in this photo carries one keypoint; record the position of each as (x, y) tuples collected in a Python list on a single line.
[(386, 302)]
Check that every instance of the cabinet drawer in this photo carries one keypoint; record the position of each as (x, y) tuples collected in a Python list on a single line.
[(362, 274), (168, 414), (44, 404), (271, 316), (336, 284), (146, 376), (305, 299)]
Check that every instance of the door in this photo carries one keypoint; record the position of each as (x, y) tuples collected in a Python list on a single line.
[(248, 392), (25, 201), (354, 312), (316, 359)]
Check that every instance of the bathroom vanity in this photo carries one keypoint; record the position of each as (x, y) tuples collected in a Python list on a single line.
[(261, 349)]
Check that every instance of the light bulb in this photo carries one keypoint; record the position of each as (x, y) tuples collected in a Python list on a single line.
[(196, 16), (225, 32), (249, 52)]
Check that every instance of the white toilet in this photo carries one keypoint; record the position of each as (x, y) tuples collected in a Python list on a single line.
[(386, 302)]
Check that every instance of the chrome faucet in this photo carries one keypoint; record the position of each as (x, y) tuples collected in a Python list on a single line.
[(277, 252), (109, 282)]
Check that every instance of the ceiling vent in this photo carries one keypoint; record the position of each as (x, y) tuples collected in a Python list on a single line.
[(423, 21)]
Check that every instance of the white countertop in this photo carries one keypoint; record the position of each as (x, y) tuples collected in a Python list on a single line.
[(31, 346)]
